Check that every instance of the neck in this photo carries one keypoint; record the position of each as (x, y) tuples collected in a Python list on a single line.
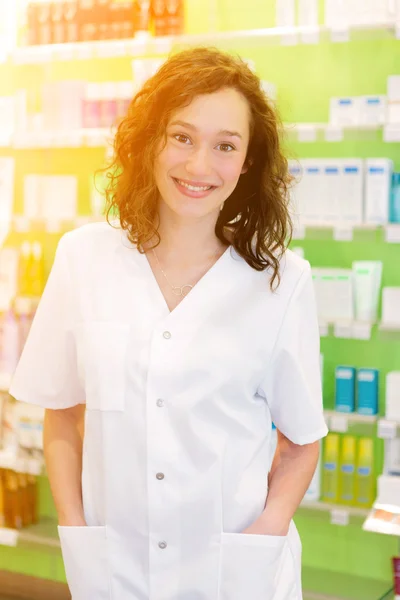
[(187, 241)]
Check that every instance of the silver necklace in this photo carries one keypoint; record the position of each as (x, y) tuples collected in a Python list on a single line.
[(178, 290)]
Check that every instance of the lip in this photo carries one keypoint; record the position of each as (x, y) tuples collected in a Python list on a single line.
[(190, 193)]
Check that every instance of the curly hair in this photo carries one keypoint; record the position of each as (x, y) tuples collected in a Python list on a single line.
[(256, 214)]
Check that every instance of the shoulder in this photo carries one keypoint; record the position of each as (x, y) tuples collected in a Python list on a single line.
[(293, 269), (99, 237)]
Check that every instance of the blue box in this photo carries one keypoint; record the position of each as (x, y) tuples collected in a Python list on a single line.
[(394, 209), (367, 391), (345, 389)]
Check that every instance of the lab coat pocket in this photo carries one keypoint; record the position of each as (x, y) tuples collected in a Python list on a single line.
[(249, 564), (102, 363), (85, 555)]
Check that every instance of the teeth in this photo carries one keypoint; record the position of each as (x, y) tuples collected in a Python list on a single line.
[(194, 188)]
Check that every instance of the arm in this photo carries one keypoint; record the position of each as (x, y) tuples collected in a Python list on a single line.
[(63, 442), (291, 473)]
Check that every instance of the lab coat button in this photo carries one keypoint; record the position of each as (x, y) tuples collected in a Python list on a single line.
[(167, 335), (160, 403), (162, 545), (160, 476)]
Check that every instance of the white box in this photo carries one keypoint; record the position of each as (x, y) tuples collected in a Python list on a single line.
[(334, 294), (393, 396), (341, 304), (373, 110), (331, 199), (391, 306), (285, 13), (337, 14), (352, 176), (393, 95), (378, 180), (308, 13), (312, 191), (296, 208), (345, 112)]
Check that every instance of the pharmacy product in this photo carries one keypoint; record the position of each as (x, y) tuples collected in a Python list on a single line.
[(367, 391), (394, 206), (330, 468), (352, 191), (285, 13), (347, 469), (367, 281), (345, 389), (393, 396), (365, 485), (378, 183)]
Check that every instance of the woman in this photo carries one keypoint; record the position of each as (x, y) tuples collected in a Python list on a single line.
[(163, 349)]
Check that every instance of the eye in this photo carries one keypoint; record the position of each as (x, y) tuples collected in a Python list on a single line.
[(226, 147), (182, 138)]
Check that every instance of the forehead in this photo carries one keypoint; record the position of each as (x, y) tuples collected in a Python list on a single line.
[(226, 109)]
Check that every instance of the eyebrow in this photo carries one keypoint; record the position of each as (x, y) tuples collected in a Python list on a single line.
[(226, 132)]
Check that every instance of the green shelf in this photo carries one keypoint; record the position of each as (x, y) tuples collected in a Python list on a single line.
[(322, 584)]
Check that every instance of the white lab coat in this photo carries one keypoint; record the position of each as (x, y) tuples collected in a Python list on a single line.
[(178, 417)]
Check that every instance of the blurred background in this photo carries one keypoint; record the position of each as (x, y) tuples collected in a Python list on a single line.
[(68, 70)]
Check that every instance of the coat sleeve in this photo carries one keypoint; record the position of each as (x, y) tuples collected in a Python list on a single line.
[(46, 374), (292, 385)]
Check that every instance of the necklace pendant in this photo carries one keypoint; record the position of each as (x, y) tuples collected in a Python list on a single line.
[(177, 290), (185, 289)]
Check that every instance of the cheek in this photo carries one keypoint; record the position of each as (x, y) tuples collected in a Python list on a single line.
[(168, 159), (231, 169)]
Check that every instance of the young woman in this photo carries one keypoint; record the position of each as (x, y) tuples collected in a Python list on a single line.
[(166, 345)]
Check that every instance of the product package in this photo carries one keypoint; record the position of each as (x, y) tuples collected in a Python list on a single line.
[(365, 484), (367, 391), (347, 469), (391, 307), (345, 378), (330, 468), (378, 187), (367, 282), (393, 396), (394, 208), (396, 577)]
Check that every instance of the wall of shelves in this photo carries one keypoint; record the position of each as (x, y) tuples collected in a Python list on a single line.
[(306, 77)]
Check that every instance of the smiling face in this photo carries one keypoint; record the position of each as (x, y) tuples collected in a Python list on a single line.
[(204, 155)]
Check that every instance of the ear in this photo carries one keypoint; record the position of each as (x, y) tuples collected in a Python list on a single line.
[(247, 164)]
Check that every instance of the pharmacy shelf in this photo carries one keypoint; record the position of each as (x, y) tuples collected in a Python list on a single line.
[(100, 137), (147, 45), (346, 232), (321, 584), (63, 139), (31, 465), (351, 423), (43, 534), (24, 224), (388, 429), (337, 514), (349, 330), (328, 132)]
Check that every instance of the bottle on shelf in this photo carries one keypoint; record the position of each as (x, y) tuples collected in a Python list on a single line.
[(158, 12), (70, 16), (24, 284), (141, 23), (36, 271), (12, 501), (174, 17)]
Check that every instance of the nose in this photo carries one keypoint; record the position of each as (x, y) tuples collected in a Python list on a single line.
[(199, 162)]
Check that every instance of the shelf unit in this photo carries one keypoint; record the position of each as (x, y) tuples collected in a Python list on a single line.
[(146, 45), (100, 137)]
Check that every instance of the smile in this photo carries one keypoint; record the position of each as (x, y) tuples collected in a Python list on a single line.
[(192, 187)]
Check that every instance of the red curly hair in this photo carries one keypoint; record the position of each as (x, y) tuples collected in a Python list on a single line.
[(256, 214)]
